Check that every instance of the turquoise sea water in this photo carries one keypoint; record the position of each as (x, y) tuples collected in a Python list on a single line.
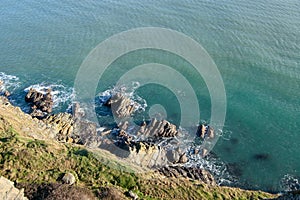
[(256, 46)]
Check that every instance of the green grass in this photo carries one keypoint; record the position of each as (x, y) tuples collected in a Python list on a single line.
[(30, 161)]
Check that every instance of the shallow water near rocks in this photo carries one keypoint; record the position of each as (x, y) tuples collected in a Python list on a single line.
[(255, 45)]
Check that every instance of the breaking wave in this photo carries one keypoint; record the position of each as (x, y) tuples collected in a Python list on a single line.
[(9, 82), (61, 94)]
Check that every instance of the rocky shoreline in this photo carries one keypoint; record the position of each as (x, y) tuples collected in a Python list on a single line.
[(141, 148), (153, 145)]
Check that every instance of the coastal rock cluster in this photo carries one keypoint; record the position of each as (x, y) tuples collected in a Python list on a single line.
[(152, 145), (120, 105), (145, 146), (41, 104)]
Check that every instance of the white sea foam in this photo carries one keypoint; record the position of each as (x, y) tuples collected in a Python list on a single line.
[(10, 82), (61, 94), (214, 165), (289, 183)]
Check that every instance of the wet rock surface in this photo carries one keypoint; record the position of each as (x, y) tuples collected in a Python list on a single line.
[(205, 131), (41, 104), (121, 106), (158, 128)]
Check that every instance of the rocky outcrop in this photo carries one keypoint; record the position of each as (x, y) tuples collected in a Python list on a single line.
[(41, 104), (148, 155), (157, 128), (205, 131), (121, 105), (188, 172), (142, 153), (9, 192), (62, 125), (77, 111), (87, 131), (71, 128)]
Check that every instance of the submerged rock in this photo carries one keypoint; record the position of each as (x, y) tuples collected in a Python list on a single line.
[(234, 169), (262, 156)]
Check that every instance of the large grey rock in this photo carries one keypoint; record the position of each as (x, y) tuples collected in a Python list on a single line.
[(132, 195), (9, 192), (69, 179)]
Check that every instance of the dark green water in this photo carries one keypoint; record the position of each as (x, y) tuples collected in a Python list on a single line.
[(256, 46)]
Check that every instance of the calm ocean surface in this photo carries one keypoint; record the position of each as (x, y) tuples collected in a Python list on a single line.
[(255, 44)]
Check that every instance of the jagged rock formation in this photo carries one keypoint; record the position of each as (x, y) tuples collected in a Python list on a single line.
[(205, 131), (157, 128), (62, 125), (87, 131), (41, 104), (188, 172), (144, 152), (121, 106), (9, 192)]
